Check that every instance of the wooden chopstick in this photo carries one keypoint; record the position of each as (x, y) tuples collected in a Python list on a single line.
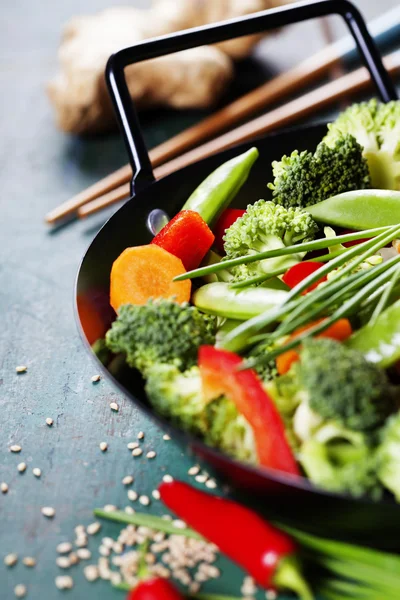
[(301, 75), (303, 106)]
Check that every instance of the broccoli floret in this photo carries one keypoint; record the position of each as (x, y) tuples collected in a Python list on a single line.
[(267, 226), (376, 127), (388, 455), (340, 384), (304, 178), (265, 370), (179, 397), (160, 331)]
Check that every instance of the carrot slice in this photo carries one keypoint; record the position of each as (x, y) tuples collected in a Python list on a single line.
[(145, 272), (339, 331)]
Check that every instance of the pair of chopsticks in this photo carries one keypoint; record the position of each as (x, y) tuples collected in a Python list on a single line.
[(181, 150)]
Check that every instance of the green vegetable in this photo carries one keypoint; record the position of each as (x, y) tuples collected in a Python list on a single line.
[(160, 331), (304, 178), (388, 456), (265, 370), (360, 209), (380, 341), (217, 191), (376, 127), (220, 299), (266, 226)]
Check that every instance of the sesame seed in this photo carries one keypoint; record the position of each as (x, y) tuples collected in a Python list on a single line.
[(115, 578), (3, 487), (144, 500), (15, 448), (91, 572), (11, 559), (20, 590), (127, 480), (132, 445), (83, 553), (167, 478), (37, 472), (194, 470), (110, 507), (21, 369), (73, 558), (63, 562), (48, 511), (29, 561), (129, 510), (49, 421), (107, 542), (93, 528), (166, 437), (64, 548), (140, 435), (79, 529), (95, 378), (151, 454), (211, 483), (64, 582), (179, 524), (21, 467), (156, 494), (132, 495), (114, 406), (81, 540), (104, 551), (201, 478), (103, 446), (117, 547), (270, 595), (137, 452)]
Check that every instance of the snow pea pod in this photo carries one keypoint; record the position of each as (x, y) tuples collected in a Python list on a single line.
[(217, 191), (380, 341), (220, 299), (359, 209)]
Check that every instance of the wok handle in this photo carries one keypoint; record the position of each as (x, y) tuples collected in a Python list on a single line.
[(218, 32)]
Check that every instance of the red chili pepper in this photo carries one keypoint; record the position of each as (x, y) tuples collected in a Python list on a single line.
[(300, 271), (228, 217), (154, 589), (269, 555), (354, 242), (220, 374), (186, 236)]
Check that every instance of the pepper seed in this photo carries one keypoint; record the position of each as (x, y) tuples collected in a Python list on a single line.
[(109, 508), (156, 494), (114, 406), (137, 452), (166, 437), (29, 561), (127, 480), (49, 421), (48, 511), (63, 562), (144, 500), (151, 454), (4, 487), (95, 378), (20, 590), (64, 548), (194, 470), (64, 582), (103, 446), (91, 572), (15, 448), (132, 495), (211, 484), (21, 467), (132, 445), (11, 559), (93, 528), (21, 369), (140, 435), (83, 553), (167, 478)]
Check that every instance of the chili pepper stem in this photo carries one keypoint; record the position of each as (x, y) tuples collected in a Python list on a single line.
[(288, 576)]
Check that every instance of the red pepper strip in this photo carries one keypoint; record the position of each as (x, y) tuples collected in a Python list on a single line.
[(154, 589), (354, 242), (186, 236), (269, 555), (228, 217), (300, 271), (220, 374)]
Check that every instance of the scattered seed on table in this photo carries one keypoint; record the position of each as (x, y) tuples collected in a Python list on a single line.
[(11, 559), (167, 517), (103, 446), (93, 528), (194, 470), (129, 510), (109, 507), (4, 487), (166, 437), (81, 540), (211, 483), (20, 590), (248, 588), (271, 595), (145, 500), (151, 454), (91, 572), (127, 480), (137, 452), (79, 529), (107, 542), (49, 421), (29, 561), (117, 547), (64, 582), (140, 435), (83, 553), (132, 445), (179, 524), (21, 467), (114, 406), (115, 578), (104, 551), (63, 562), (167, 478), (48, 511), (156, 494), (73, 558), (64, 547), (95, 378), (201, 478), (37, 472), (132, 495), (15, 448), (21, 369)]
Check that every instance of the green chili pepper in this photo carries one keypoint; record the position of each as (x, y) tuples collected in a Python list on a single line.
[(380, 341), (359, 209), (216, 192), (220, 299)]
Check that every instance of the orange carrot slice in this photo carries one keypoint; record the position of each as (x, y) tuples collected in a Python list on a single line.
[(145, 272)]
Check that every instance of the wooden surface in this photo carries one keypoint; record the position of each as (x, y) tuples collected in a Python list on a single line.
[(40, 167)]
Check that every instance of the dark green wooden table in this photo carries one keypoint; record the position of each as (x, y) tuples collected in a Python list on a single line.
[(41, 167)]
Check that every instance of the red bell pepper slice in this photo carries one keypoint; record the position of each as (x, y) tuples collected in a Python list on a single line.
[(300, 271), (186, 236), (155, 589), (220, 375), (228, 217), (354, 242)]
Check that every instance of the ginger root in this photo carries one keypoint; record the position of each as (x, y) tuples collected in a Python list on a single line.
[(193, 78)]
